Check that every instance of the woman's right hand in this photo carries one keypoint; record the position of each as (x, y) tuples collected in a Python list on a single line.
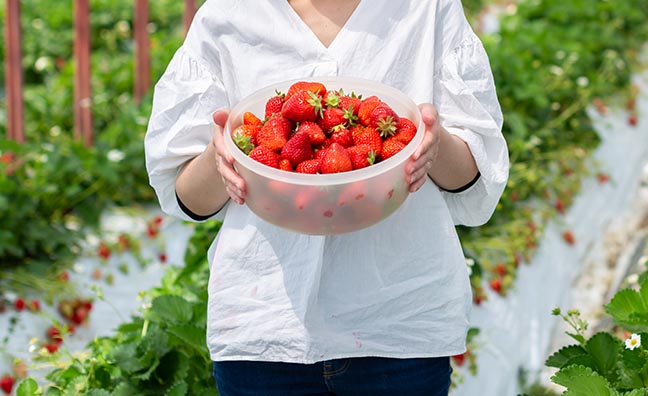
[(234, 183)]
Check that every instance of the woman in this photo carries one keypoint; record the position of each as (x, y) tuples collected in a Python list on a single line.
[(373, 312)]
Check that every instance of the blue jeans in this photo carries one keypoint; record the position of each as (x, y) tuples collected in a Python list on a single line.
[(366, 376)]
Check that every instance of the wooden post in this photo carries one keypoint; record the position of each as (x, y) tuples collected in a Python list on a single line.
[(82, 95), (142, 50), (190, 11), (14, 73)]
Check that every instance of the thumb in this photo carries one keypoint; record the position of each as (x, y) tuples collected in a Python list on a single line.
[(220, 117), (428, 113)]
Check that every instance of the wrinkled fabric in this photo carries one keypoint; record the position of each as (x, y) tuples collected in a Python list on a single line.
[(399, 288)]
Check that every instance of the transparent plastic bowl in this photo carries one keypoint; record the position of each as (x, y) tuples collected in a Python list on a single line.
[(326, 204)]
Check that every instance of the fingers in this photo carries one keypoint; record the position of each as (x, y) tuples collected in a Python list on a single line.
[(233, 182), (429, 114), (220, 117)]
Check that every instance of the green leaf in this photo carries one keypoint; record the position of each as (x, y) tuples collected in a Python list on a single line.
[(193, 336), (27, 387), (624, 303), (637, 392), (98, 392), (560, 358), (173, 309), (178, 389), (604, 350), (582, 381)]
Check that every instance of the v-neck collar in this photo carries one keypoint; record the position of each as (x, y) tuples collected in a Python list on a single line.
[(339, 37)]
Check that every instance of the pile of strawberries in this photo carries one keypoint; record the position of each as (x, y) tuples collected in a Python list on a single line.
[(314, 130)]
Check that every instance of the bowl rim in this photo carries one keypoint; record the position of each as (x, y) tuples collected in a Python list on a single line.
[(236, 115)]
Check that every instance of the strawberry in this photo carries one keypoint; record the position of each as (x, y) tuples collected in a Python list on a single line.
[(603, 178), (7, 383), (284, 164), (315, 87), (297, 149), (406, 130), (331, 99), (500, 269), (54, 334), (336, 160), (351, 102), (52, 347), (64, 276), (103, 251), (244, 137), (361, 156), (313, 130), (390, 148), (250, 118), (302, 106), (560, 206), (459, 360), (332, 117), (274, 104), (266, 156), (162, 257), (274, 133), (366, 107), (384, 119), (633, 120), (568, 236), (342, 136), (19, 304), (309, 166), (80, 315), (369, 136), (7, 157), (34, 305), (496, 284)]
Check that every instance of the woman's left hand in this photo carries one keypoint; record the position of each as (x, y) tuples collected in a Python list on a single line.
[(423, 158)]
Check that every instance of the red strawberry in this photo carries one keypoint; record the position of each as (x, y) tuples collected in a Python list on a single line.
[(54, 334), (342, 136), (500, 269), (34, 305), (459, 360), (297, 149), (313, 130), (560, 206), (244, 136), (496, 284), (603, 178), (309, 166), (7, 383), (163, 257), (274, 105), (64, 276), (366, 107), (390, 148), (52, 347), (302, 106), (331, 98), (568, 236), (103, 251), (406, 130), (332, 117), (284, 164), (19, 304), (336, 160), (317, 88), (369, 136), (274, 133), (123, 242), (266, 156), (633, 120), (384, 119), (361, 156), (351, 102), (250, 118), (80, 315)]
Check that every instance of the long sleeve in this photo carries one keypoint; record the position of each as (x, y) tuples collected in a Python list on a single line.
[(466, 99), (181, 125)]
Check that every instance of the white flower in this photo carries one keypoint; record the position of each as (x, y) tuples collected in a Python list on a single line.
[(42, 63), (633, 342), (560, 55), (582, 81), (557, 70), (115, 155), (37, 23), (123, 26), (55, 131), (470, 262)]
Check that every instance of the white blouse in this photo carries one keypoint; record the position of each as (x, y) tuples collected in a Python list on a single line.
[(399, 288)]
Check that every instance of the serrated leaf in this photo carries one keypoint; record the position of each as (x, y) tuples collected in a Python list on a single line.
[(124, 389), (178, 389), (172, 308), (624, 303), (582, 381), (604, 350), (637, 392), (27, 387), (563, 355), (193, 336)]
